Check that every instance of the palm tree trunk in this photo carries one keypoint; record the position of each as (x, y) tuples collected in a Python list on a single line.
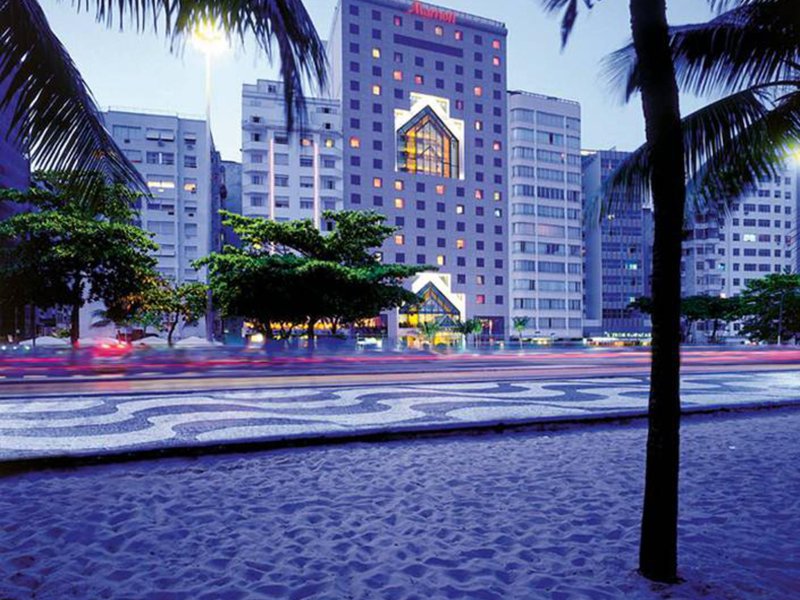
[(170, 332), (658, 549)]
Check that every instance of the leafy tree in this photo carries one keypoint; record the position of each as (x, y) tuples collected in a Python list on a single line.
[(290, 272), (666, 176), (78, 246), (54, 114), (167, 305), (520, 323), (771, 308)]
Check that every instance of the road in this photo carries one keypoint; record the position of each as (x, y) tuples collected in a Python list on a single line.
[(170, 372)]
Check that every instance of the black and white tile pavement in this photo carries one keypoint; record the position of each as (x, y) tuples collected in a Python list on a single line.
[(93, 425)]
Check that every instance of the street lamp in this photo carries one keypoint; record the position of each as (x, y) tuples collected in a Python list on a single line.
[(209, 39)]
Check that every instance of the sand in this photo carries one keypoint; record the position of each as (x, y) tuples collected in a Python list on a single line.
[(517, 515)]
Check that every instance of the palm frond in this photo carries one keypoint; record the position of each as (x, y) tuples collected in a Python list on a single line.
[(755, 43), (569, 10), (729, 145), (54, 116), (282, 23)]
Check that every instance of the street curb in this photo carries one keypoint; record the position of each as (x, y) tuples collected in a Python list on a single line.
[(366, 435)]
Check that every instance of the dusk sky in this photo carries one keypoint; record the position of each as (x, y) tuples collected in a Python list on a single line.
[(138, 71)]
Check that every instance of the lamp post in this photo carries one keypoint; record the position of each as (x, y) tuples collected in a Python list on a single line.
[(210, 40)]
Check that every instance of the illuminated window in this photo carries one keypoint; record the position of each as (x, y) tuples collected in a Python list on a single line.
[(355, 142), (190, 185), (398, 21), (479, 194), (480, 279), (438, 30), (460, 244), (496, 44), (498, 212), (376, 90), (459, 209), (419, 79), (426, 145), (376, 53), (498, 196), (378, 257), (478, 125), (440, 260), (398, 185), (478, 90), (399, 203), (377, 182), (398, 75), (399, 239), (329, 143), (496, 61), (305, 142), (459, 35), (440, 189), (480, 299), (497, 145)]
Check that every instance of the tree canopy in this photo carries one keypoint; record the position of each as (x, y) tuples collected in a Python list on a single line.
[(771, 308), (76, 246), (290, 272)]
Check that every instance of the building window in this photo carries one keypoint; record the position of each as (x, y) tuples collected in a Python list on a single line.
[(398, 185), (459, 209), (377, 182), (355, 142), (480, 299), (419, 79), (399, 239), (189, 161), (376, 53), (478, 90), (399, 203), (496, 61), (426, 145), (496, 44), (438, 30), (440, 189), (460, 244), (376, 90), (458, 35), (397, 75), (440, 260), (398, 21)]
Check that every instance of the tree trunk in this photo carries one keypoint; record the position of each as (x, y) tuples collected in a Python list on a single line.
[(714, 331), (310, 329), (172, 326), (658, 549)]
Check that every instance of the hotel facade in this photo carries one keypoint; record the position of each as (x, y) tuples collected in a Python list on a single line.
[(422, 91)]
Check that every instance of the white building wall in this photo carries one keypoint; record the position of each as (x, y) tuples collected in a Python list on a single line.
[(173, 154), (289, 177), (545, 217)]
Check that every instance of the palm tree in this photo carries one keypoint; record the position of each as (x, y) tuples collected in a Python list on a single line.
[(429, 329), (53, 112), (665, 153), (520, 323)]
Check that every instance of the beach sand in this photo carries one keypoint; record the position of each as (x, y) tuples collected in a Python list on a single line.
[(515, 515)]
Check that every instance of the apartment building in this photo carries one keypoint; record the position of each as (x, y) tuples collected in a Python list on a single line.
[(546, 245), (176, 158), (289, 176), (423, 99), (619, 248)]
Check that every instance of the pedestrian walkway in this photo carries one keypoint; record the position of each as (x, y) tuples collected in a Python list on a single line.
[(90, 425)]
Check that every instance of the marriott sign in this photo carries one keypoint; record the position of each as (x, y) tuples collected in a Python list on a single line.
[(437, 14)]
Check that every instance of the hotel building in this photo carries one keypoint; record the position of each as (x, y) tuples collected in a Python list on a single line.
[(619, 248), (289, 177), (546, 252), (423, 100)]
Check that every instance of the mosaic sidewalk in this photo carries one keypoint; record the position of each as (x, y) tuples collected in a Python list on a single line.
[(102, 425)]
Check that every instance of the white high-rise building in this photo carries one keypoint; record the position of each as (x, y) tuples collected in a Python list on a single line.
[(173, 154), (546, 245), (288, 177), (755, 238)]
